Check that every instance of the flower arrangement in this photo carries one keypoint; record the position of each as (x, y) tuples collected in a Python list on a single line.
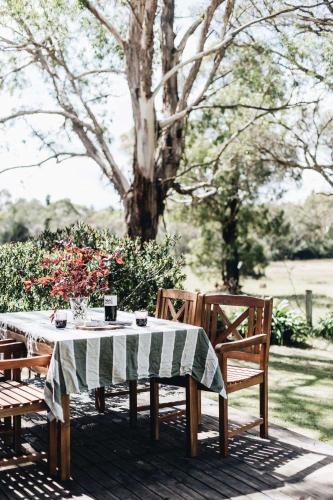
[(74, 271)]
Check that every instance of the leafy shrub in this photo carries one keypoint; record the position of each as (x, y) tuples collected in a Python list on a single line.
[(146, 268), (288, 326), (325, 328)]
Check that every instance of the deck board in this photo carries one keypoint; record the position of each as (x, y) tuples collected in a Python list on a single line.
[(110, 460)]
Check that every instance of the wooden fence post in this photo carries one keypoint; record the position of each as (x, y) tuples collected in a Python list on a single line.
[(308, 306)]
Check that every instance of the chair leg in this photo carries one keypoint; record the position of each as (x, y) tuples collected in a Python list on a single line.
[(133, 402), (52, 447), (199, 408), (100, 399), (154, 406), (17, 433), (263, 391), (223, 425), (7, 425)]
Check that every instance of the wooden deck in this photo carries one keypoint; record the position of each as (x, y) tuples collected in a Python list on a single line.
[(112, 461)]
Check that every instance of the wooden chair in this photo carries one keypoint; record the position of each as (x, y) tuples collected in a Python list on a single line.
[(18, 398), (16, 349), (174, 305), (250, 331)]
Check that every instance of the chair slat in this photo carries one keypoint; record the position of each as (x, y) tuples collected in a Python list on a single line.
[(19, 393), (232, 328), (33, 390), (250, 324), (5, 400)]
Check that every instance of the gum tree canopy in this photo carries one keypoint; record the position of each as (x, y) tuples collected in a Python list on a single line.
[(170, 55)]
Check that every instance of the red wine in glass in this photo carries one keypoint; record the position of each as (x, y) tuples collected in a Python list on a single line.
[(61, 323), (60, 319)]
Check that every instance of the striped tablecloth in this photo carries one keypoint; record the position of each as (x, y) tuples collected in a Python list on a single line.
[(86, 360)]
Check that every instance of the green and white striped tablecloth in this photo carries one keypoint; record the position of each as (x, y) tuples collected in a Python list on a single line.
[(87, 360)]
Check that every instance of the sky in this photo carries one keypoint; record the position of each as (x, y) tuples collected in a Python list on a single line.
[(80, 179)]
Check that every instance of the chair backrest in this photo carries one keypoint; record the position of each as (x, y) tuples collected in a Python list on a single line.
[(251, 316), (179, 305)]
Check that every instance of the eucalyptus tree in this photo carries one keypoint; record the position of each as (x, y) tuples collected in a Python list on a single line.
[(231, 208), (171, 56)]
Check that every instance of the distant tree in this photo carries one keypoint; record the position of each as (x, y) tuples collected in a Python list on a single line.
[(311, 234), (17, 232), (22, 219), (232, 208), (170, 67)]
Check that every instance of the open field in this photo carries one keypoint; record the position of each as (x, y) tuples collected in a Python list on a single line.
[(285, 279)]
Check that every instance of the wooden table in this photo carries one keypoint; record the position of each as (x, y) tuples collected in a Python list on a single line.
[(14, 329)]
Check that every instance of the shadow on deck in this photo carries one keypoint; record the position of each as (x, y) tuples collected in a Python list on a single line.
[(112, 460)]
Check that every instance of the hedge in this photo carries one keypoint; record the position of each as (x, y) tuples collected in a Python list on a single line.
[(288, 326), (146, 268), (325, 328)]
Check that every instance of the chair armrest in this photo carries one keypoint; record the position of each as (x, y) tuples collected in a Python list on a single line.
[(12, 364), (241, 344)]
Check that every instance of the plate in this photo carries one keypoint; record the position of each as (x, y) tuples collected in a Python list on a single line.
[(98, 326)]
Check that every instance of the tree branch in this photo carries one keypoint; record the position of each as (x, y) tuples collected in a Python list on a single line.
[(114, 32), (56, 156), (188, 33), (30, 112), (194, 70), (177, 116), (222, 44)]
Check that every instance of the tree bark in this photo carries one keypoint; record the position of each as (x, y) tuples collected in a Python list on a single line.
[(230, 264), (144, 205)]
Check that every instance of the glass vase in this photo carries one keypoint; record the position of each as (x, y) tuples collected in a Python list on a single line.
[(79, 307)]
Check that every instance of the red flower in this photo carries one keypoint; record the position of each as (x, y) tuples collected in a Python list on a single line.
[(75, 271), (118, 258), (27, 285)]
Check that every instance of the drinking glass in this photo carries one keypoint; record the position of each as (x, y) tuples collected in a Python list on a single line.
[(141, 318), (60, 319)]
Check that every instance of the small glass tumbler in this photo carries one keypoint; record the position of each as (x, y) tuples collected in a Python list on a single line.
[(60, 319), (141, 318)]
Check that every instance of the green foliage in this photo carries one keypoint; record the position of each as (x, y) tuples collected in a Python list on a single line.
[(146, 268), (288, 327), (233, 218), (311, 236), (325, 328), (22, 219)]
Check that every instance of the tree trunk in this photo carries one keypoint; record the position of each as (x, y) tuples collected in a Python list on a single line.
[(144, 205), (230, 264)]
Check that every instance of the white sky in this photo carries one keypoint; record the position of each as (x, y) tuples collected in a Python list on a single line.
[(79, 179)]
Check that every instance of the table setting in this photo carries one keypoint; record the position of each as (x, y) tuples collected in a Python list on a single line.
[(96, 347)]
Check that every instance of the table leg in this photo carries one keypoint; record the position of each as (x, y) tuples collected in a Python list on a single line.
[(65, 443), (191, 417), (133, 402), (100, 399), (154, 407)]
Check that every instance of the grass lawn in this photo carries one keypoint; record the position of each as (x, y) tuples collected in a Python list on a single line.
[(300, 390), (300, 380), (285, 279)]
